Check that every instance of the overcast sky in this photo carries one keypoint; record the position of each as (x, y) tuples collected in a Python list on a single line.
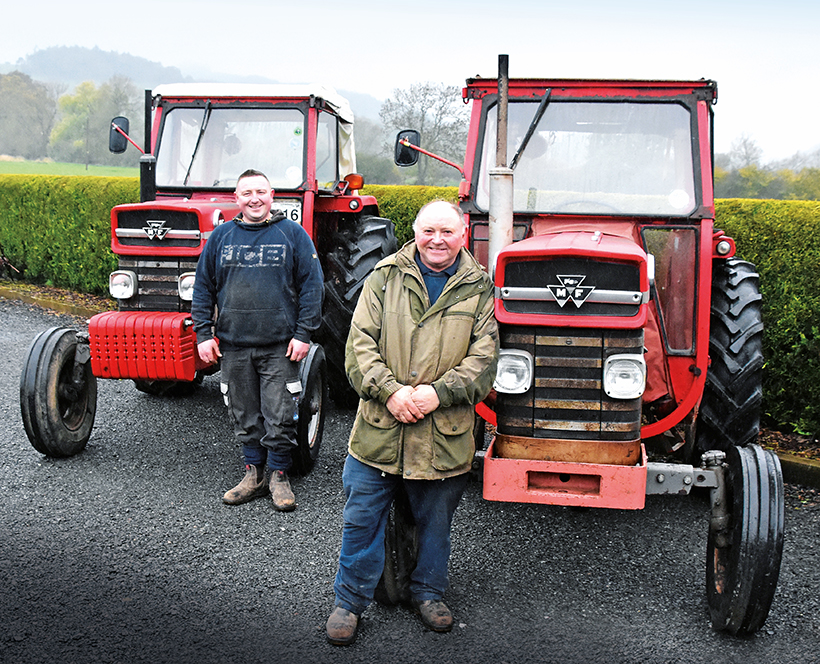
[(764, 55)]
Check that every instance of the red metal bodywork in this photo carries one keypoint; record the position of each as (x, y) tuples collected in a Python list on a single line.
[(161, 345), (612, 238)]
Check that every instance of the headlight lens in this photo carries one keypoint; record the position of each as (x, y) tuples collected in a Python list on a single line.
[(122, 284), (624, 376), (515, 370), (185, 286)]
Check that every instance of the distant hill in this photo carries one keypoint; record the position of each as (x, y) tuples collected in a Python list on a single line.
[(71, 65)]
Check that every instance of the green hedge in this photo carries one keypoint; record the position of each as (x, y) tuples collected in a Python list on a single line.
[(401, 203), (57, 230), (780, 238)]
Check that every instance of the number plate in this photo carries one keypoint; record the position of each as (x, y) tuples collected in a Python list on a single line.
[(292, 207)]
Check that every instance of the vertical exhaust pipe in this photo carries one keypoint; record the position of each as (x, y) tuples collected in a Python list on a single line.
[(501, 177)]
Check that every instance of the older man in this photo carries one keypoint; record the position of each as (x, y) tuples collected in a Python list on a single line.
[(422, 351)]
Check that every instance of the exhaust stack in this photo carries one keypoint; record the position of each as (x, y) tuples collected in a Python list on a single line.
[(501, 177)]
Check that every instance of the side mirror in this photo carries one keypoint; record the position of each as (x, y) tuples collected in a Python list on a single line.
[(407, 156), (117, 143)]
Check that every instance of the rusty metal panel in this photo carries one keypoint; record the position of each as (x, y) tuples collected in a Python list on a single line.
[(565, 483)]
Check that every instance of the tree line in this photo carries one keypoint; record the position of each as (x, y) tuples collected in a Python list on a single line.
[(39, 120), (43, 121), (740, 173)]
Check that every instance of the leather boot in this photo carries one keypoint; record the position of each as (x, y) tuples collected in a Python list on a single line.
[(252, 486), (434, 614), (342, 627), (281, 493)]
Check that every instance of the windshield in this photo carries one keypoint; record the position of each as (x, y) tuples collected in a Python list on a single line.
[(596, 158), (233, 140)]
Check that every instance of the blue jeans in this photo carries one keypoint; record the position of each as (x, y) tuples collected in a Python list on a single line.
[(261, 406), (369, 495)]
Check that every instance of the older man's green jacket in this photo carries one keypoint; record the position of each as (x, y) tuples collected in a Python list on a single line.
[(398, 339)]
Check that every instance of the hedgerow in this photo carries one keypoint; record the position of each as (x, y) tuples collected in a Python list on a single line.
[(56, 230)]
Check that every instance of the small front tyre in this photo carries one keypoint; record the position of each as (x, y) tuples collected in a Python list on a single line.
[(58, 393), (312, 408), (401, 548), (743, 560)]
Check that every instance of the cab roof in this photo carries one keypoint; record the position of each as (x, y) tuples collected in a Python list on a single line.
[(257, 91)]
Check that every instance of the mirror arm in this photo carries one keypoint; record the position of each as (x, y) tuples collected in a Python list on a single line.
[(408, 144), (127, 137)]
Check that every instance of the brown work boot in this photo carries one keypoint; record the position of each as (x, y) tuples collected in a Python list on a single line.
[(342, 627), (280, 491), (434, 614), (252, 486)]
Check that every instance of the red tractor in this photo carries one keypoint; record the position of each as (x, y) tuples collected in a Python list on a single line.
[(631, 336), (198, 139)]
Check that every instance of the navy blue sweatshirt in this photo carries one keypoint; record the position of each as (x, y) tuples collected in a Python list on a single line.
[(265, 280)]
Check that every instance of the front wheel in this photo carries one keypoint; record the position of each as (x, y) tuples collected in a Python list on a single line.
[(401, 548), (58, 393), (743, 558), (311, 410)]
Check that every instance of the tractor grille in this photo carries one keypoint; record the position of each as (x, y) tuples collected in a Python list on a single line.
[(545, 287), (157, 284), (567, 400), (157, 228)]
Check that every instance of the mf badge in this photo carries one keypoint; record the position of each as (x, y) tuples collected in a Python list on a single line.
[(571, 289)]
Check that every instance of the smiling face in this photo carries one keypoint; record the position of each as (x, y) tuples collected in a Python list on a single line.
[(440, 234), (254, 197)]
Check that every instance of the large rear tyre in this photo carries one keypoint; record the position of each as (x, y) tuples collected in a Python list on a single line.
[(312, 408), (730, 409), (401, 548), (743, 562), (58, 393), (356, 248)]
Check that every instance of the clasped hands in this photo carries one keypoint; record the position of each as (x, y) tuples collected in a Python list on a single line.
[(410, 404)]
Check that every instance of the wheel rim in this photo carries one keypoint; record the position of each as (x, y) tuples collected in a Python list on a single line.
[(72, 399), (315, 407)]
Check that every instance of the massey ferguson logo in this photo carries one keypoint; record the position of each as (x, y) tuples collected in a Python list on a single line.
[(155, 230), (571, 288)]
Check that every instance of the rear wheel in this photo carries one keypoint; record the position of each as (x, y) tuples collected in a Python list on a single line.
[(743, 561), (730, 410), (58, 393), (312, 407), (356, 248)]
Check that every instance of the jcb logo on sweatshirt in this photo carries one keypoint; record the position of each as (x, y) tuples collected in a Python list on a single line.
[(263, 255)]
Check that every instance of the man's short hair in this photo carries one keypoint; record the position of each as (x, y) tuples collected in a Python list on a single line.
[(251, 173), (453, 206)]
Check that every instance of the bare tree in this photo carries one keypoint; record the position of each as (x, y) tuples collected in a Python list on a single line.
[(27, 114), (745, 152), (438, 113)]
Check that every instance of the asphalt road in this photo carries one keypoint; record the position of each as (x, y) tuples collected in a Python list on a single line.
[(125, 553)]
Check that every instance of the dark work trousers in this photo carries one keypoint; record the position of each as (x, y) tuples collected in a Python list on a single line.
[(260, 403)]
